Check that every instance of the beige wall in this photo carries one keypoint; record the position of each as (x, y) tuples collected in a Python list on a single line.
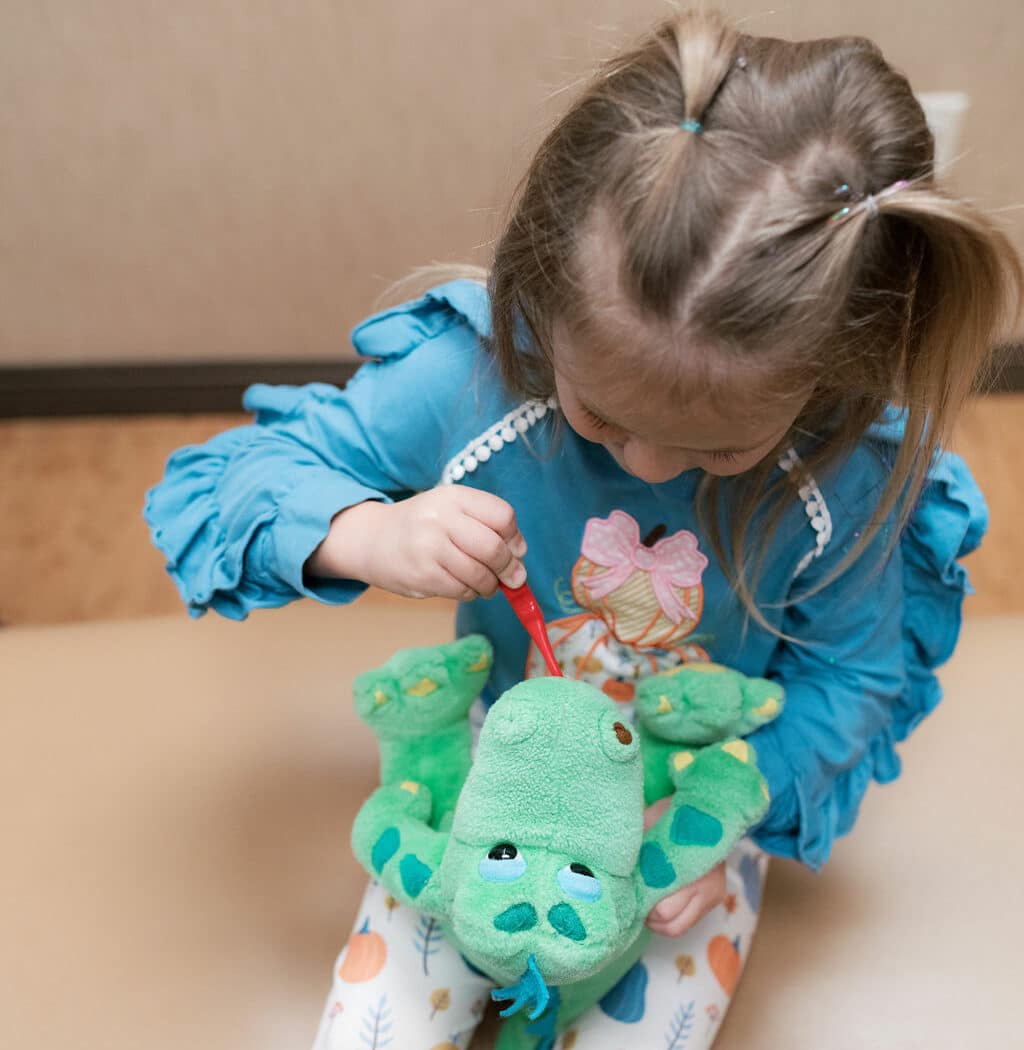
[(216, 179)]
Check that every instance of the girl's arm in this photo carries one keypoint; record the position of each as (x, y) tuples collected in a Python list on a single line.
[(239, 517), (843, 686), (880, 633)]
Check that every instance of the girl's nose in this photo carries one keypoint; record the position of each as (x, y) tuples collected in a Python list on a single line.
[(654, 463)]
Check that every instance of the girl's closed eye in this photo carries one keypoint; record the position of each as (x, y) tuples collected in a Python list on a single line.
[(601, 425), (596, 421)]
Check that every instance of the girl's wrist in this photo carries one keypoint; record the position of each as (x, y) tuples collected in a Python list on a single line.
[(343, 553)]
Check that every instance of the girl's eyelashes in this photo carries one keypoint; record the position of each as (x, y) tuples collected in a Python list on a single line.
[(597, 423), (595, 420)]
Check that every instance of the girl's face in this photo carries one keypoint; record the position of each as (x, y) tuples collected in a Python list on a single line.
[(659, 402), (657, 431)]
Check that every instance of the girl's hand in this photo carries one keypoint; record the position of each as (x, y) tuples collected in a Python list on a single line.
[(450, 542), (674, 915)]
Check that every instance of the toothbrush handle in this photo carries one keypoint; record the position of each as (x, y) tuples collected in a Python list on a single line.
[(525, 606)]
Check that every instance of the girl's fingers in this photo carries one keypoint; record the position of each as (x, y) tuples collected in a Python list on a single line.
[(496, 514), (653, 813), (691, 914), (443, 585), (484, 545), (669, 907), (517, 545), (472, 574), (677, 912)]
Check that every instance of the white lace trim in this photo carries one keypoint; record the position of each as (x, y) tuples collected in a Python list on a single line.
[(818, 515), (494, 439)]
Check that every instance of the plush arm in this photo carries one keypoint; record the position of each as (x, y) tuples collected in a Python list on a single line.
[(693, 706), (719, 795)]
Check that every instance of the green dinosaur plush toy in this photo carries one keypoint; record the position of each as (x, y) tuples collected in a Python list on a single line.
[(534, 857)]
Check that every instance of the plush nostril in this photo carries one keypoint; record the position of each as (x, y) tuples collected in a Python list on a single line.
[(516, 919), (565, 920)]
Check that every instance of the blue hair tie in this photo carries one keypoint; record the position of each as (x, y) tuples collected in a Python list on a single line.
[(691, 125)]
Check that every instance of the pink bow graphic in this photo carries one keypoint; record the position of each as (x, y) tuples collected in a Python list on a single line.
[(614, 544)]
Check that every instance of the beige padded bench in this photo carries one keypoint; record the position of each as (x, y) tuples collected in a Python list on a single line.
[(176, 800)]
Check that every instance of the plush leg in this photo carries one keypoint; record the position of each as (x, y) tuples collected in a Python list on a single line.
[(417, 705)]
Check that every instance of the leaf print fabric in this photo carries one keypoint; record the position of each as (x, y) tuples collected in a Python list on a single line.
[(425, 996)]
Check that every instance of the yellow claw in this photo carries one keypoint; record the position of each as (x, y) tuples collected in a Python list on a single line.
[(664, 707), (695, 665), (738, 749), (424, 687), (411, 786), (682, 759), (380, 697), (482, 664), (768, 708)]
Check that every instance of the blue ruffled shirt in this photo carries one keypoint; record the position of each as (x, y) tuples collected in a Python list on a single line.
[(626, 580)]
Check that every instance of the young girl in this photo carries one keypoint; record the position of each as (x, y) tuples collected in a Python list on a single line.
[(726, 262)]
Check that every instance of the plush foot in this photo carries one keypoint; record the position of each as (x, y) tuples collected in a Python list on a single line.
[(699, 704), (419, 691)]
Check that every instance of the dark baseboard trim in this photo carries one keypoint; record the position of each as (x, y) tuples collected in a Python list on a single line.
[(111, 390), (190, 389), (1010, 377)]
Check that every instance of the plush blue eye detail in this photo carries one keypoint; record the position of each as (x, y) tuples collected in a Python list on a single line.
[(503, 864), (579, 881)]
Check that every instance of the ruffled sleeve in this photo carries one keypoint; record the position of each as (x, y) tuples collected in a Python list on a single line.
[(878, 634), (236, 539), (238, 517), (948, 523)]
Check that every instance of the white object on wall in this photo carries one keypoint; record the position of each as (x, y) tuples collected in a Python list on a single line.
[(944, 111)]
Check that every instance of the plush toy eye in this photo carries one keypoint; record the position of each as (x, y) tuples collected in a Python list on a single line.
[(618, 740), (578, 881), (503, 864)]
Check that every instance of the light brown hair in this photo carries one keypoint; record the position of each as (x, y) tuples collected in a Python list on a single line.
[(761, 235)]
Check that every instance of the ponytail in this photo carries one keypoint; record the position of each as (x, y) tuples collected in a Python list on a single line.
[(706, 46), (664, 224), (966, 297)]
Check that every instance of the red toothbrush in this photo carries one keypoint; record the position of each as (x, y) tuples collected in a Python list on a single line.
[(525, 606)]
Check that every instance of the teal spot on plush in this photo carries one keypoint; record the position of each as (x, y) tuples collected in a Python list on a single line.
[(565, 920), (384, 848), (518, 917), (414, 874), (693, 827), (654, 866)]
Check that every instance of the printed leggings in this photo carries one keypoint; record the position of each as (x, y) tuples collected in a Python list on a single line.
[(398, 985)]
